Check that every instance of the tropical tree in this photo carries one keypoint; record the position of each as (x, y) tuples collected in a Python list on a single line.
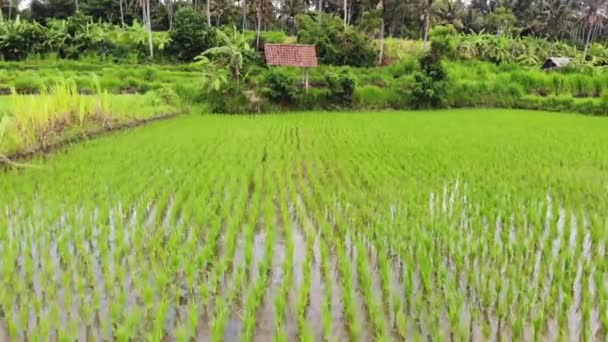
[(287, 13), (558, 17), (450, 12), (232, 50), (191, 36), (591, 22), (502, 20)]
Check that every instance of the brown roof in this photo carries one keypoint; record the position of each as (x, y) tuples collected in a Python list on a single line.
[(291, 55)]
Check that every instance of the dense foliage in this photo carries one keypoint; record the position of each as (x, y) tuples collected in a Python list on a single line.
[(553, 19), (335, 44), (76, 37), (191, 35)]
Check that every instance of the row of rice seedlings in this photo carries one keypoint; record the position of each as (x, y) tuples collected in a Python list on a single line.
[(282, 298), (333, 317), (325, 239), (224, 301), (258, 289), (305, 332), (377, 309), (374, 308), (345, 270)]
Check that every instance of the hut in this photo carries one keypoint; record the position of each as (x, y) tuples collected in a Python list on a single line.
[(303, 56), (553, 63)]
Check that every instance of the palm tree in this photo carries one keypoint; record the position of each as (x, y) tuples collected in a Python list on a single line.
[(232, 48), (592, 21)]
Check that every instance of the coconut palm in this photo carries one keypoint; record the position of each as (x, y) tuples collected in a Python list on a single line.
[(592, 22)]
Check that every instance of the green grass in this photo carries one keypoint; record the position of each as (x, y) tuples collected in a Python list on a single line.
[(5, 104), (437, 225)]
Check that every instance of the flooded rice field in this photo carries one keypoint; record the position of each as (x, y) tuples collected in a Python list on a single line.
[(311, 228)]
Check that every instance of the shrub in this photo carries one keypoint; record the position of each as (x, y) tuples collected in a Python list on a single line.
[(373, 97), (191, 35), (405, 66), (189, 93), (18, 39), (315, 98), (428, 93), (149, 74), (163, 96), (280, 88), (230, 100), (431, 84), (341, 88)]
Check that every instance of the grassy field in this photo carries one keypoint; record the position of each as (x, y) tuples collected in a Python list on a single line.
[(461, 225)]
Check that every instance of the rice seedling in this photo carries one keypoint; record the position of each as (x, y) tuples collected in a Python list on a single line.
[(459, 225)]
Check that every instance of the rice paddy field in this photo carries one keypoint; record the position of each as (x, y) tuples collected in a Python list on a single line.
[(450, 225)]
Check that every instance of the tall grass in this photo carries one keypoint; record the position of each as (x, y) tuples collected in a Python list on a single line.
[(37, 121)]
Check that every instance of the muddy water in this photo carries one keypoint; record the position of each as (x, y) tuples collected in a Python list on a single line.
[(299, 256), (315, 311), (234, 326), (337, 306), (366, 329), (266, 316)]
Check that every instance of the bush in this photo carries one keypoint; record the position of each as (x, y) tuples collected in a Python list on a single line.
[(405, 66), (427, 92), (431, 84), (189, 93), (315, 98), (18, 39), (341, 88), (280, 88), (374, 97), (191, 35)]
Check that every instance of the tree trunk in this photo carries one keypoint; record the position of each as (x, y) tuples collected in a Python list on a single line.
[(320, 8), (169, 6), (381, 56), (148, 22), (259, 27), (588, 40), (208, 10), (345, 14), (427, 22), (77, 7), (244, 15), (122, 13)]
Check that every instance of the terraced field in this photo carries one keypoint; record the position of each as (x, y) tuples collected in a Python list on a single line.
[(460, 225)]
